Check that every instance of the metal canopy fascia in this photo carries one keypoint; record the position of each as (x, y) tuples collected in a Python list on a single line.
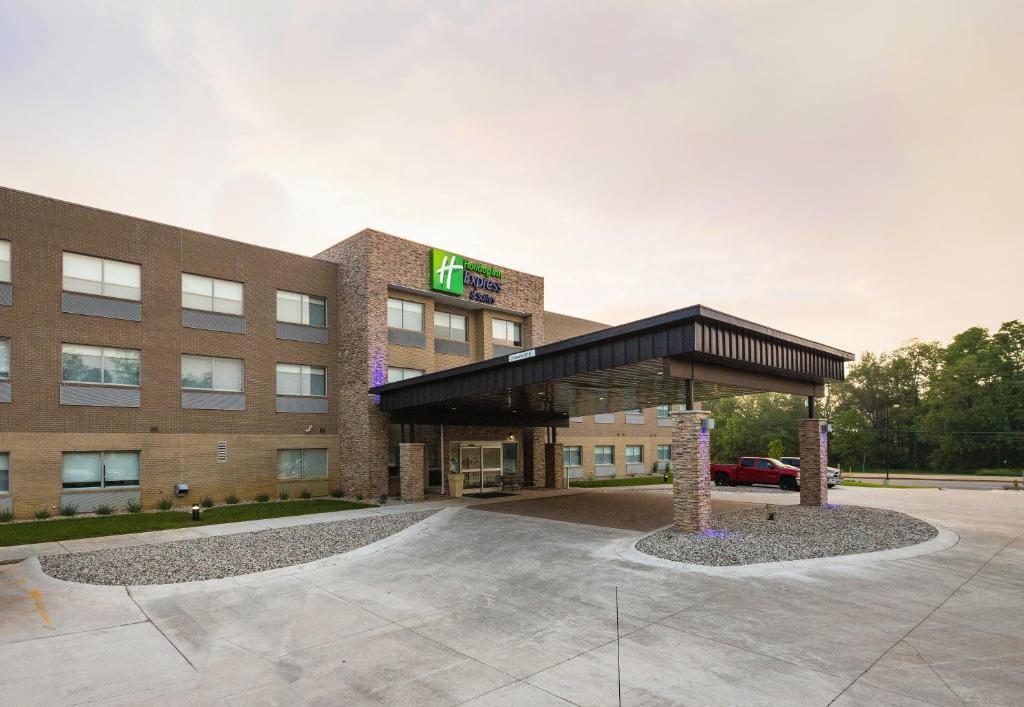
[(639, 364)]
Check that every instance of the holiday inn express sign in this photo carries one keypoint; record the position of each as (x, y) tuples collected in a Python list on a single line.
[(451, 273)]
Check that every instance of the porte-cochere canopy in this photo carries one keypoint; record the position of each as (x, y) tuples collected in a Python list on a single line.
[(690, 354)]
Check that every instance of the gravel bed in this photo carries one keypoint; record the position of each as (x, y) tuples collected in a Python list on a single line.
[(753, 489), (797, 533), (225, 555)]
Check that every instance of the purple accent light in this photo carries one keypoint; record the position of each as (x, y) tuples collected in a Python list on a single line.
[(712, 533), (831, 506)]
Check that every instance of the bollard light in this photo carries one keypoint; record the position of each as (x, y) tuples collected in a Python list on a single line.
[(195, 512)]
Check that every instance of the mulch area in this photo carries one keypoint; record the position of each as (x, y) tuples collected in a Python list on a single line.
[(626, 510)]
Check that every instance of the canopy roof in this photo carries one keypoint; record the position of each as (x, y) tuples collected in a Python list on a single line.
[(644, 363)]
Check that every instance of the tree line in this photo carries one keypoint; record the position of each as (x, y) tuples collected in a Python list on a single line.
[(923, 405)]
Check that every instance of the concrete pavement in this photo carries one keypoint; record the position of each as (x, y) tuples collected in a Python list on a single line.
[(491, 608)]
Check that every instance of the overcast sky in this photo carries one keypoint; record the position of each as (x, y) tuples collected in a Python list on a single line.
[(851, 172)]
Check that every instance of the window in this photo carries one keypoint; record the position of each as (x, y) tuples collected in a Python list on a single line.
[(572, 456), (634, 454), (5, 473), (205, 293), (401, 374), (765, 464), (210, 373), (664, 411), (293, 379), (405, 315), (664, 452), (506, 332), (99, 276), (5, 261), (747, 461), (604, 455), (449, 326), (635, 411), (84, 470), (5, 359), (92, 364), (301, 464), (301, 309)]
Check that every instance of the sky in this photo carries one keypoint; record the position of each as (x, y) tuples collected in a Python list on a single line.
[(851, 172)]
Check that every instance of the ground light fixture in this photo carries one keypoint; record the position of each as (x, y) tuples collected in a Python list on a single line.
[(195, 511)]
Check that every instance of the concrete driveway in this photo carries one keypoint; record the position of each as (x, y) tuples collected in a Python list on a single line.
[(496, 608)]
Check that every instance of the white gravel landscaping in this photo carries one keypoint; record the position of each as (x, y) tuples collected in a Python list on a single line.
[(797, 533), (225, 555)]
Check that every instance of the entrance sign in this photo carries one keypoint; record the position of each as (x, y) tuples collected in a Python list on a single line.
[(521, 355)]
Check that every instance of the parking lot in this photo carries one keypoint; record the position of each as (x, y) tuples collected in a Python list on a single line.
[(501, 608)]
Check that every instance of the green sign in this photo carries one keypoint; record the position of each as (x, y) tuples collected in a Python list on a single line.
[(446, 271)]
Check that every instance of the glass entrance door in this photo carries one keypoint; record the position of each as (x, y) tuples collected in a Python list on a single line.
[(481, 465)]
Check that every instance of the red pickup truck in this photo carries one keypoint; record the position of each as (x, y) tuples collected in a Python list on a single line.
[(757, 470)]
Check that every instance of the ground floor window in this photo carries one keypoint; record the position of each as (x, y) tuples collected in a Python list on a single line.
[(301, 464), (664, 452), (84, 470), (5, 473), (572, 456), (663, 411), (634, 454), (604, 454)]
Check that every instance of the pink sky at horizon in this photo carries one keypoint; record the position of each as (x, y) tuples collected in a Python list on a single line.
[(850, 173)]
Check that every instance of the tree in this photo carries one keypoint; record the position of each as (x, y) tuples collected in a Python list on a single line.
[(776, 449)]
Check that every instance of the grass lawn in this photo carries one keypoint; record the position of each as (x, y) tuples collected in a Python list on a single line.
[(97, 526), (870, 485), (638, 481)]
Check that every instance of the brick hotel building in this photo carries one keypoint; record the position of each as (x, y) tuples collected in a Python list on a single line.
[(138, 360)]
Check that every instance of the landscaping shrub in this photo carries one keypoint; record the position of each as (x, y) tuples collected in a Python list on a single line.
[(6, 516), (69, 510), (359, 497), (42, 515), (165, 504), (306, 493), (133, 507), (104, 510), (207, 502), (338, 493), (231, 499), (262, 498), (284, 496)]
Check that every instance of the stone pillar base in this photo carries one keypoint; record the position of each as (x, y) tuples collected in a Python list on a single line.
[(691, 472), (412, 464), (813, 462), (554, 465)]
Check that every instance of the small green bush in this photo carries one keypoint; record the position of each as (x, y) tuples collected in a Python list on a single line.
[(231, 499), (284, 496), (338, 493), (6, 516), (262, 498), (165, 504), (359, 497), (69, 510), (207, 502), (42, 515), (104, 510), (306, 493), (133, 507)]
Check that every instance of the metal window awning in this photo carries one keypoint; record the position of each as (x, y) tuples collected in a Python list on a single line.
[(641, 364)]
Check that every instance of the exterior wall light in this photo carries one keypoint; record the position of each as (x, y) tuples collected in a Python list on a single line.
[(180, 489)]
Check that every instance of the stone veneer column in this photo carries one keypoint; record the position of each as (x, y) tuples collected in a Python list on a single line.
[(813, 462), (411, 464), (554, 465), (691, 472)]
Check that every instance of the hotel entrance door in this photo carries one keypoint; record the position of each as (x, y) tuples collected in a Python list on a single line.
[(481, 464)]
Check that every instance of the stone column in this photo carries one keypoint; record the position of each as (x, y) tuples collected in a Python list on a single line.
[(554, 465), (691, 472), (411, 463), (813, 462)]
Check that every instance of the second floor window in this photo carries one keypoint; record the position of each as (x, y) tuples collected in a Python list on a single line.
[(295, 379), (206, 293), (295, 308), (94, 364), (449, 326), (507, 333), (212, 373), (101, 276), (396, 374), (5, 261), (403, 314), (5, 359)]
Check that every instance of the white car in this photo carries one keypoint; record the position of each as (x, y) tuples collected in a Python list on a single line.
[(835, 476)]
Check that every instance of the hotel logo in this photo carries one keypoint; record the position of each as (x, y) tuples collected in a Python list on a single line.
[(446, 272)]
